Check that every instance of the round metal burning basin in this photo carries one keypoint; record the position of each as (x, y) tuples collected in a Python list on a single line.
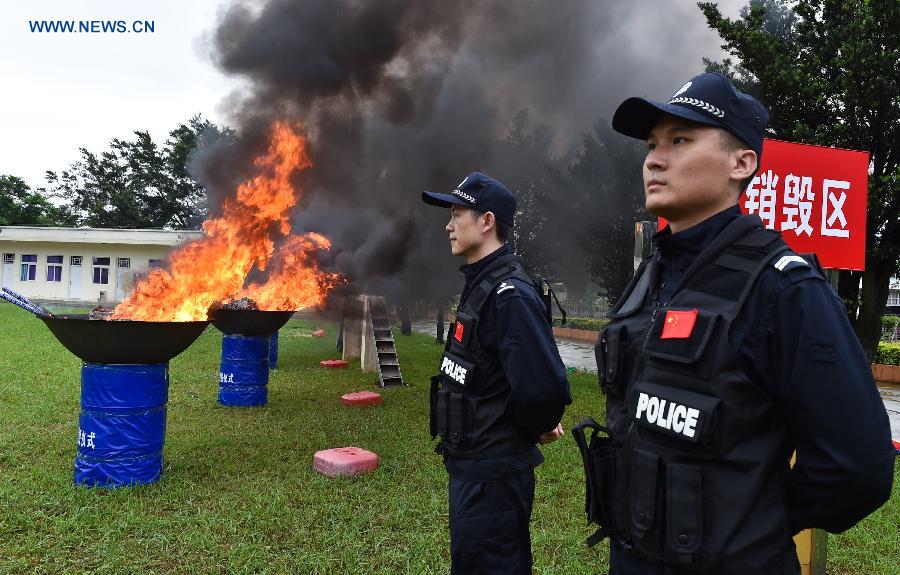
[(101, 341), (249, 321)]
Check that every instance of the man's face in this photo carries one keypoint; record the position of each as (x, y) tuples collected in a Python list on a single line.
[(465, 231), (686, 171)]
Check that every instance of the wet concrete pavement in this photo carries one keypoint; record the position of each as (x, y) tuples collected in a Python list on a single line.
[(890, 394)]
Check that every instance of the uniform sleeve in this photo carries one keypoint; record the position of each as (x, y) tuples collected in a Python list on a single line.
[(530, 359), (845, 461)]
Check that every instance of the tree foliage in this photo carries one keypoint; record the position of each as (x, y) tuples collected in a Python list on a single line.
[(829, 73), (527, 166), (606, 175), (138, 183), (22, 206), (576, 212)]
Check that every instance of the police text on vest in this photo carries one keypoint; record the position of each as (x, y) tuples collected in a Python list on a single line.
[(455, 371), (667, 414)]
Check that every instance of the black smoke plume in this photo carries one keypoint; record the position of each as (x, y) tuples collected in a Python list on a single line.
[(400, 96)]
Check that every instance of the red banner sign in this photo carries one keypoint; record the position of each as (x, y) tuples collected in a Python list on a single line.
[(816, 197)]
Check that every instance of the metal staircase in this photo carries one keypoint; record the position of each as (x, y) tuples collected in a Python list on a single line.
[(388, 362)]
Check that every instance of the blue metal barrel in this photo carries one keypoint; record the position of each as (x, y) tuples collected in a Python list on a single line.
[(273, 351), (244, 372), (122, 426)]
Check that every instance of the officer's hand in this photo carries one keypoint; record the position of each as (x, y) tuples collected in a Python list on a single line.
[(551, 436)]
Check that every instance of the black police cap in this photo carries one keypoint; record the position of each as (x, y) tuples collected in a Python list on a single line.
[(480, 192), (710, 99)]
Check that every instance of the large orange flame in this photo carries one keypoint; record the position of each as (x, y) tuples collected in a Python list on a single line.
[(215, 266), (295, 281)]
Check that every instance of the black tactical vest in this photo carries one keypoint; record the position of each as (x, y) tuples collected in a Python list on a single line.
[(698, 454), (470, 393)]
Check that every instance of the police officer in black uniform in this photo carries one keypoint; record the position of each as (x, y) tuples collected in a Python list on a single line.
[(726, 354), (501, 388)]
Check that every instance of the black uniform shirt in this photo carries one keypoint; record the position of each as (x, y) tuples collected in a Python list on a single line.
[(795, 341), (513, 326)]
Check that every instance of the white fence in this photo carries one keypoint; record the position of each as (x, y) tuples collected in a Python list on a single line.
[(890, 334), (594, 311)]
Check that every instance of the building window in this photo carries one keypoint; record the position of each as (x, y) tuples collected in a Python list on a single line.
[(101, 271), (893, 298), (75, 260), (54, 268), (29, 268), (9, 258), (123, 263), (157, 264)]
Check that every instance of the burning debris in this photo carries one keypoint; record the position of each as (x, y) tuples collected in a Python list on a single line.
[(100, 312), (244, 303)]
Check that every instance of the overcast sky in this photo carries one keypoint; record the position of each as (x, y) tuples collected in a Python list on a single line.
[(62, 91)]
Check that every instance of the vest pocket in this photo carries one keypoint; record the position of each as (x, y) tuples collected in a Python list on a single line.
[(602, 478), (449, 415), (684, 510), (462, 332), (610, 353), (457, 430), (433, 415), (440, 407), (679, 340), (605, 478), (643, 496)]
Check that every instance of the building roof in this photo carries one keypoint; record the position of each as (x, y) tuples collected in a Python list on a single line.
[(97, 235)]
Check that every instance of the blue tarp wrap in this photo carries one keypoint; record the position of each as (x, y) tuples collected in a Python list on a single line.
[(122, 425), (273, 351), (244, 374)]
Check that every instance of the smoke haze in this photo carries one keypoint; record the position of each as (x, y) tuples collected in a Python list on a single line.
[(401, 96)]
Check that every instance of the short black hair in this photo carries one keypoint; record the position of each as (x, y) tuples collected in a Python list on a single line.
[(730, 143), (503, 229)]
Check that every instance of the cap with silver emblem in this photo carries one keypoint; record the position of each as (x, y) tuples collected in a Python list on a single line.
[(480, 192), (710, 99)]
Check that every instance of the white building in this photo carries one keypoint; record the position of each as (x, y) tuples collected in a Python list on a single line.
[(893, 301), (81, 264)]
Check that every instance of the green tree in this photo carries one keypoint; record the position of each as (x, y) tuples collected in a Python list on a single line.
[(778, 20), (832, 77), (606, 175), (525, 164), (20, 205), (576, 213), (138, 183)]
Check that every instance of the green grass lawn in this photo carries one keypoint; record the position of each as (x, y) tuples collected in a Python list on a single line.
[(239, 494)]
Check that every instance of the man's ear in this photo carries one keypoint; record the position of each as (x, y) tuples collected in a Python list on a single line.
[(490, 221), (744, 164)]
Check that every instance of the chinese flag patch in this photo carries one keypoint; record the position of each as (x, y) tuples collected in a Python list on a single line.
[(459, 332), (679, 324)]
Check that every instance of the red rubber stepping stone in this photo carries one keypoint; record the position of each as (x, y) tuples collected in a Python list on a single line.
[(361, 398), (319, 333), (344, 461), (334, 364)]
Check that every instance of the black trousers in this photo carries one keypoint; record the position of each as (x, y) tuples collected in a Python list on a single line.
[(490, 509)]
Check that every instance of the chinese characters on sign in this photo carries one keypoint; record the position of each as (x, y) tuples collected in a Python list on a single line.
[(798, 198), (86, 439), (816, 197)]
